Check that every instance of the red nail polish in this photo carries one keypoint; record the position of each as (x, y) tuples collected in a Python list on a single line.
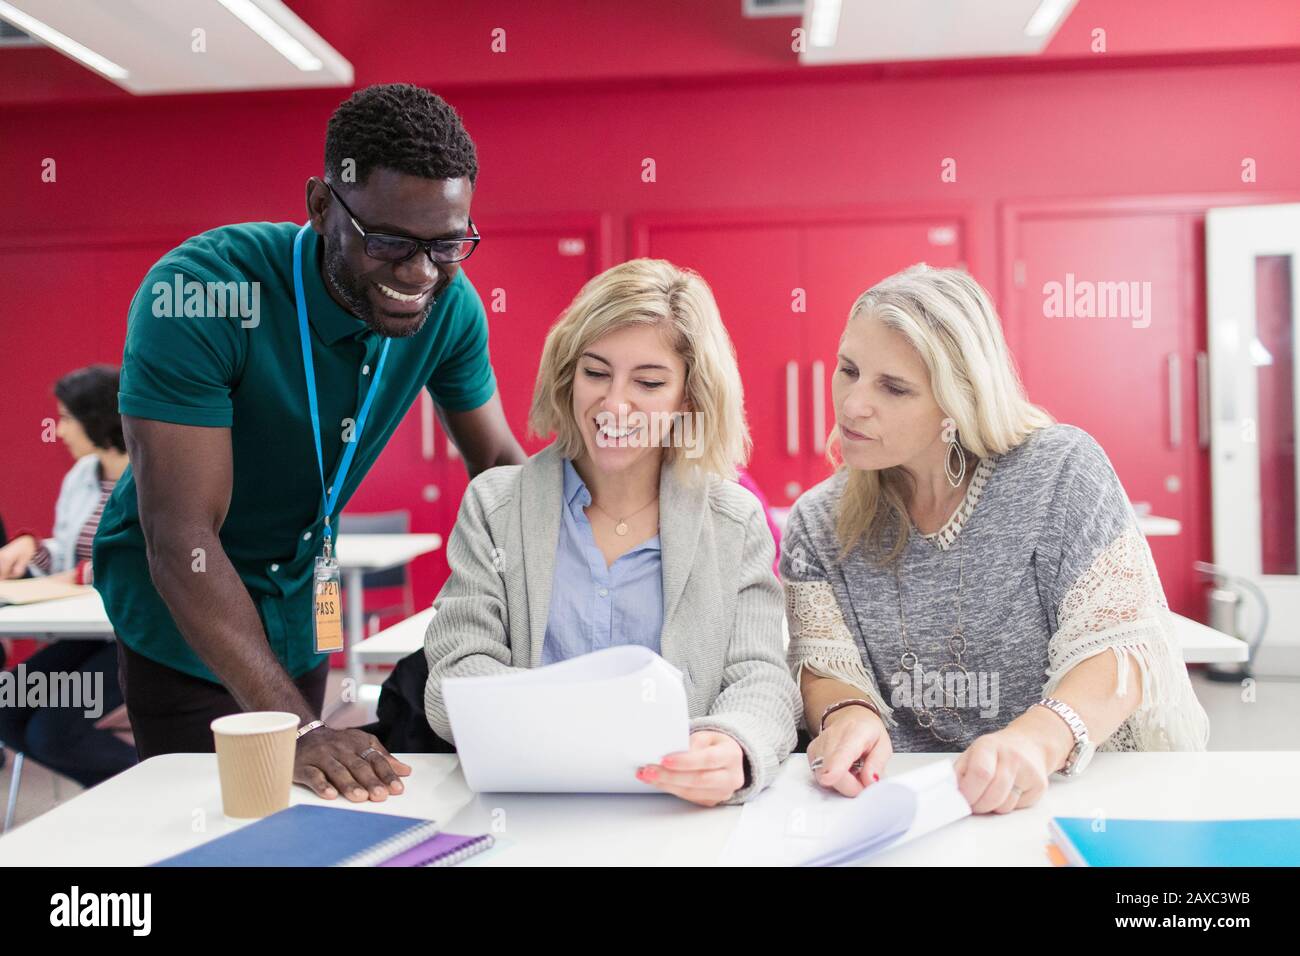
[(875, 777)]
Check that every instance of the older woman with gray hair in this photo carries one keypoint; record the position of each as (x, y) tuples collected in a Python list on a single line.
[(972, 577)]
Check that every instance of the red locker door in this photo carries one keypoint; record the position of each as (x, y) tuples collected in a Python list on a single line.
[(754, 273), (44, 342), (1124, 372), (841, 261), (526, 273)]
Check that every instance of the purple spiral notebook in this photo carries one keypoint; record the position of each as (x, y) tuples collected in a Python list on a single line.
[(310, 835), (445, 849)]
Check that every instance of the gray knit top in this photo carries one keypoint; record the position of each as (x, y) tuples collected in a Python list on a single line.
[(1052, 571)]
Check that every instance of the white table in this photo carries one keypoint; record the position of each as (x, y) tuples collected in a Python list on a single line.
[(82, 616), (1154, 526), (1200, 644), (358, 554), (150, 812), (397, 641), (361, 554)]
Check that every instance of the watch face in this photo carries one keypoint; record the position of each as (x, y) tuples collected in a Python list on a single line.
[(1083, 759)]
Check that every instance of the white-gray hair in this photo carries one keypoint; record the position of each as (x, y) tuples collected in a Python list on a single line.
[(951, 322)]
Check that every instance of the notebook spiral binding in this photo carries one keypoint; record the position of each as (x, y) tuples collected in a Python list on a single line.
[(470, 849), (389, 848)]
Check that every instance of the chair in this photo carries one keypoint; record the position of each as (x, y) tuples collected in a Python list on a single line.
[(14, 783), (116, 720), (382, 522)]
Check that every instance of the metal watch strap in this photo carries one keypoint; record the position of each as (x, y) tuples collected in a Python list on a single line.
[(308, 728), (1077, 727), (841, 704)]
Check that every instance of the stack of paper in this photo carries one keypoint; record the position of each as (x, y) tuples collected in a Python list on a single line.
[(797, 822), (36, 590), (580, 726)]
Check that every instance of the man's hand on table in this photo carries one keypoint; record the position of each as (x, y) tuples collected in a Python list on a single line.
[(351, 762)]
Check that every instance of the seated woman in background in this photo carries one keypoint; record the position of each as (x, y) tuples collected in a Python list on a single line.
[(972, 562), (625, 530), (63, 738)]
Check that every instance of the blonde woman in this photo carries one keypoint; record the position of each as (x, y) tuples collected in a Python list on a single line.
[(628, 529), (972, 577)]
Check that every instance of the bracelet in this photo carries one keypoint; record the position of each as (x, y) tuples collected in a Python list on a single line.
[(308, 728), (841, 704)]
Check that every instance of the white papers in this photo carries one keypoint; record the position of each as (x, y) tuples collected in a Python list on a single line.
[(795, 822), (580, 726)]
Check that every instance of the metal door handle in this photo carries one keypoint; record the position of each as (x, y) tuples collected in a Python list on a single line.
[(426, 425), (792, 408), (1174, 362), (1202, 400), (819, 406)]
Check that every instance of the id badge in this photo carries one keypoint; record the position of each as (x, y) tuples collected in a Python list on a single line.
[(327, 621)]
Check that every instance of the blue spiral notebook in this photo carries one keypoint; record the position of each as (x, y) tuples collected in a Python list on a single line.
[(306, 835), (1177, 842)]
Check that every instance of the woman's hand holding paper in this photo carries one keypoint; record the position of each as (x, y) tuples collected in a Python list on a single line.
[(1006, 770), (710, 772)]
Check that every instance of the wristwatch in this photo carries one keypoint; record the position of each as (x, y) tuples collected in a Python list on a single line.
[(1077, 760)]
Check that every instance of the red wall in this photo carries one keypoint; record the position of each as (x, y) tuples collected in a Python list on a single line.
[(149, 171)]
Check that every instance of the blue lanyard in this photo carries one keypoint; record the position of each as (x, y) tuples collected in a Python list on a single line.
[(329, 498)]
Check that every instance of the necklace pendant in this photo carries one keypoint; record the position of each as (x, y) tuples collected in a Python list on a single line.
[(620, 529)]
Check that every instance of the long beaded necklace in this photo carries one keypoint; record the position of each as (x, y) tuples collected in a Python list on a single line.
[(908, 660)]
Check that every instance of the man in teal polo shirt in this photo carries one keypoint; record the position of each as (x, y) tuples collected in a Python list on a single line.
[(207, 551)]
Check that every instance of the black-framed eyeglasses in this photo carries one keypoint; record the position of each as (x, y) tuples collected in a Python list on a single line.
[(388, 248)]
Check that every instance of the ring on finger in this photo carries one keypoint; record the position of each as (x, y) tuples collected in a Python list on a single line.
[(817, 764), (368, 752)]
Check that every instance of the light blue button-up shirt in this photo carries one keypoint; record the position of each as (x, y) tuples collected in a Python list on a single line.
[(594, 606)]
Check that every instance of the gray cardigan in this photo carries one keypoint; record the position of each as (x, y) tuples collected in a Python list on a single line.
[(722, 604)]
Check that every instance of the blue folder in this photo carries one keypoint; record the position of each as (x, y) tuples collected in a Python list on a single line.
[(307, 835), (1084, 842)]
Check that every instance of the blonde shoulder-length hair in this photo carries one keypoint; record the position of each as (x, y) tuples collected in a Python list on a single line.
[(951, 322), (680, 304)]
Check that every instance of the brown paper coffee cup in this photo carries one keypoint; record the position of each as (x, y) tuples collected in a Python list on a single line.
[(255, 761)]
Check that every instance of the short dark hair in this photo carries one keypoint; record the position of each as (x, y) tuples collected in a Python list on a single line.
[(401, 127), (90, 394)]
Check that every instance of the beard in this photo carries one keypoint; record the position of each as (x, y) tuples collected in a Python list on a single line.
[(354, 293)]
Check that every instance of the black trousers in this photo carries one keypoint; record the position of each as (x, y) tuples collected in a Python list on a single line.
[(63, 738), (171, 711)]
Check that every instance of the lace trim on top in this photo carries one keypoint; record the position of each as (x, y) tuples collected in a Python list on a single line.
[(1118, 606), (943, 538), (822, 642)]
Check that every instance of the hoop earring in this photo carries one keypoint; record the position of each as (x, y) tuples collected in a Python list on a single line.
[(955, 475)]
